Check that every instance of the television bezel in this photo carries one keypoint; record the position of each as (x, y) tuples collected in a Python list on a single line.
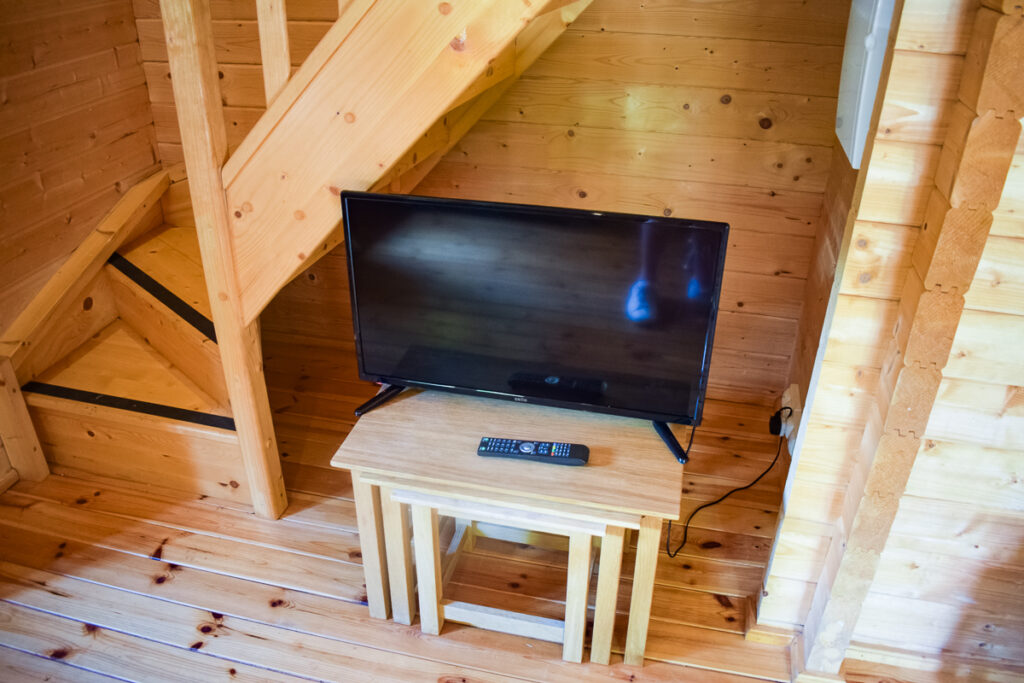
[(547, 211)]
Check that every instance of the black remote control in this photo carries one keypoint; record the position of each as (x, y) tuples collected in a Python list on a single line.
[(538, 451)]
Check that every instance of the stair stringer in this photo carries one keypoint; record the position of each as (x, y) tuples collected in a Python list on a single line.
[(365, 96)]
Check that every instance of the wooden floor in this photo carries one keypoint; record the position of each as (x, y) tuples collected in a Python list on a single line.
[(102, 577)]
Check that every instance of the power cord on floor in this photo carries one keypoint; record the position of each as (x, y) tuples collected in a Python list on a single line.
[(775, 428)]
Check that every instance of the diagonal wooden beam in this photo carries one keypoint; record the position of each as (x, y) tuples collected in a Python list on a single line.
[(364, 97), (418, 161), (197, 91)]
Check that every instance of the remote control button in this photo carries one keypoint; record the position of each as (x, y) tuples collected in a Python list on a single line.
[(526, 447)]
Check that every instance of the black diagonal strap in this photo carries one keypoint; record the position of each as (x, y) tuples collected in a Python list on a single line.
[(164, 296), (169, 412)]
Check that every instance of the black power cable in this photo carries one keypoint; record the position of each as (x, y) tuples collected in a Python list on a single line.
[(776, 420)]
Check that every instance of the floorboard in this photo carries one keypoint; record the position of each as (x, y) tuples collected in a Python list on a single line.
[(100, 577)]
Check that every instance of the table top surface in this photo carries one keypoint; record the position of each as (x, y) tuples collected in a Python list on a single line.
[(432, 436)]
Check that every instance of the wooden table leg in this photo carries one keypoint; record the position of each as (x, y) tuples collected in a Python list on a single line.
[(371, 544), (643, 589), (607, 594), (576, 591), (428, 568), (399, 558)]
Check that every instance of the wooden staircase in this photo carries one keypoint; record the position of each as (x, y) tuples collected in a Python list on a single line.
[(141, 360), (143, 399)]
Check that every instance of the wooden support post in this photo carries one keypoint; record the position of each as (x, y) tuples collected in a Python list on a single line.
[(428, 568), (607, 594), (371, 544), (190, 52), (16, 431), (396, 540), (273, 29), (648, 540), (577, 588)]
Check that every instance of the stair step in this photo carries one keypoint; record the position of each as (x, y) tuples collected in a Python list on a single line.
[(170, 255), (118, 362), (115, 407)]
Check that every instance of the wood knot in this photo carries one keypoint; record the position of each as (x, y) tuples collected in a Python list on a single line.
[(765, 123), (725, 99), (444, 8), (87, 303), (459, 42), (350, 117)]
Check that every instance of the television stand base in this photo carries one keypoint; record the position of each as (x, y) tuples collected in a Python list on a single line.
[(386, 393), (683, 456)]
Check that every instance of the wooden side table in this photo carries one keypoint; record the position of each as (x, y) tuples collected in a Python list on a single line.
[(418, 454), (580, 525)]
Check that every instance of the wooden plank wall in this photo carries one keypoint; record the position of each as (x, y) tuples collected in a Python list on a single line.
[(76, 131), (720, 111), (7, 474), (950, 579), (873, 259), (238, 56)]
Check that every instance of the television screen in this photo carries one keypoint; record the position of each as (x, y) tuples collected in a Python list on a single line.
[(599, 311)]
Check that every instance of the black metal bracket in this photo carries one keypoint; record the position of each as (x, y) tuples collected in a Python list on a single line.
[(387, 392), (683, 456)]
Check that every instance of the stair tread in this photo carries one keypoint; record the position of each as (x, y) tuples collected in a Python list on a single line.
[(170, 255), (119, 362)]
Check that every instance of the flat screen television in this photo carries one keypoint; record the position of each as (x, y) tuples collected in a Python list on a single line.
[(598, 311)]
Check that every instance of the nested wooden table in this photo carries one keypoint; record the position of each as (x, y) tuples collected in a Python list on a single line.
[(419, 453)]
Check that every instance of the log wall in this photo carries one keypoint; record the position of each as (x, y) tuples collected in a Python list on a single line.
[(871, 257), (76, 131), (946, 592), (950, 579)]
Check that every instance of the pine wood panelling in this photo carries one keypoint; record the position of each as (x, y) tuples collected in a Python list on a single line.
[(999, 281), (720, 111), (583, 150), (939, 473), (677, 109), (878, 260), (874, 257), (298, 10), (241, 85), (921, 87), (776, 212), (236, 42), (77, 132), (818, 22), (936, 27), (724, 63), (950, 578), (44, 41)]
